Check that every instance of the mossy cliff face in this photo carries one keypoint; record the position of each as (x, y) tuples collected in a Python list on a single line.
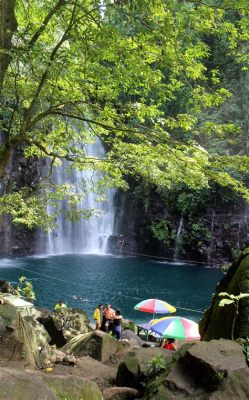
[(217, 321)]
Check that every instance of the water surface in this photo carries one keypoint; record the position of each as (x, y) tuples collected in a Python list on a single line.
[(121, 281)]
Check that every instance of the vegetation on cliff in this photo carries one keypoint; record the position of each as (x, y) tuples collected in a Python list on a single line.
[(140, 75)]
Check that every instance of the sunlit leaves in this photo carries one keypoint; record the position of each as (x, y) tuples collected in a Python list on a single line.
[(136, 75)]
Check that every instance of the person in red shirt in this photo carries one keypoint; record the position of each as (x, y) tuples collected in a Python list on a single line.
[(169, 344)]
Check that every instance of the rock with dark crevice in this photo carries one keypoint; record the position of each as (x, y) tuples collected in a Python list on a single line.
[(217, 321), (203, 371), (120, 393)]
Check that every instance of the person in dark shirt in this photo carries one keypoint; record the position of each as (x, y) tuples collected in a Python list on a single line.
[(117, 325)]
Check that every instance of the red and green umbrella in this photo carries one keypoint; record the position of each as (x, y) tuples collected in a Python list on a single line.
[(155, 306), (176, 328)]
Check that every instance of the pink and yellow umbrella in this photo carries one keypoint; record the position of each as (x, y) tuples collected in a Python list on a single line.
[(176, 328)]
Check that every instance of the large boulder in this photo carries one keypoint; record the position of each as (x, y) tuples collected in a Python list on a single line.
[(64, 325), (5, 287), (134, 339), (217, 321), (146, 355), (20, 385), (129, 372), (205, 370), (97, 344), (135, 366), (22, 337)]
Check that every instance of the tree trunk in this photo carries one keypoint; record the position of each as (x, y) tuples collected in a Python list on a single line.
[(8, 25)]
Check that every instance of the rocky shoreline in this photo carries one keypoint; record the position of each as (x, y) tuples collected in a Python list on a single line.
[(92, 365), (46, 355)]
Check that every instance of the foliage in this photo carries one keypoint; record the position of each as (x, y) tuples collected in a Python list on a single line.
[(235, 252), (191, 202), (232, 299), (225, 268), (246, 349), (197, 234), (163, 231), (156, 365), (25, 289), (139, 75)]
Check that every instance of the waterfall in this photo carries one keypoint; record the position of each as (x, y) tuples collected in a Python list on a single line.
[(211, 245), (178, 238), (88, 235)]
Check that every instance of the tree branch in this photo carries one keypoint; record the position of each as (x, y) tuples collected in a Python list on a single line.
[(45, 22), (8, 26), (45, 74)]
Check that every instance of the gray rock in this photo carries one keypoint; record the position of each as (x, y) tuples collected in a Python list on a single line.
[(20, 385), (98, 345), (134, 339), (206, 365), (120, 393), (70, 360), (57, 356), (214, 370), (129, 371), (30, 385)]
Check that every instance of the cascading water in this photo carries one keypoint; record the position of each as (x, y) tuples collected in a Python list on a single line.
[(211, 245), (88, 235), (178, 238)]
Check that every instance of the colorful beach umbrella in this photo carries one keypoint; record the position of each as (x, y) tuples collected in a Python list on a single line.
[(155, 306), (176, 327)]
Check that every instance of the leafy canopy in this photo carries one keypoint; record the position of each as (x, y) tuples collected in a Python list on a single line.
[(135, 74)]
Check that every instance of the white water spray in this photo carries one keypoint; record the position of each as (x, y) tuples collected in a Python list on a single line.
[(89, 235)]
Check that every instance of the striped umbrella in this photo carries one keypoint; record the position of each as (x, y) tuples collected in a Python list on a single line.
[(155, 306), (176, 328)]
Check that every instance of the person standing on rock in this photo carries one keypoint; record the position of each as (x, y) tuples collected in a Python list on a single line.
[(108, 316), (97, 315), (60, 306), (117, 325)]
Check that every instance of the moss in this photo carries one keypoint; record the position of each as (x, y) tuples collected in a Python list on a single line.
[(127, 324), (73, 388), (221, 375)]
